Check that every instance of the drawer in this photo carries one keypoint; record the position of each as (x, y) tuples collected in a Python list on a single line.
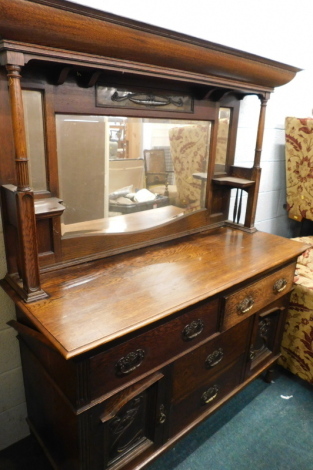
[(115, 367), (195, 368), (252, 298), (206, 397)]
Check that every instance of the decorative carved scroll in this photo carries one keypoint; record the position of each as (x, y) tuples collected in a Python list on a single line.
[(111, 96), (149, 100), (263, 332), (127, 429)]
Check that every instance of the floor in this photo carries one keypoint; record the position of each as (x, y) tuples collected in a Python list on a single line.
[(281, 412)]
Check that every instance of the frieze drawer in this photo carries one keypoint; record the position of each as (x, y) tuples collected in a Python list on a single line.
[(252, 298), (195, 368), (112, 368), (207, 396)]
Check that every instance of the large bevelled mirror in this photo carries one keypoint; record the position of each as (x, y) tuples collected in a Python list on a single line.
[(124, 174)]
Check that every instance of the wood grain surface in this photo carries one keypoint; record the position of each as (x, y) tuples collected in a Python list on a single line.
[(90, 31), (92, 304)]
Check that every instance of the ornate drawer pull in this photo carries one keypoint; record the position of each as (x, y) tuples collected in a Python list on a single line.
[(209, 395), (280, 285), (246, 305), (127, 364), (192, 330), (214, 358)]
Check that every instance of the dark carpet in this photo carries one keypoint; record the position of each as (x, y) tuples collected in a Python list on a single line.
[(265, 427)]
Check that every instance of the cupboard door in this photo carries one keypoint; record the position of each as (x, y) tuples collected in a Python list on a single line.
[(131, 422), (266, 337)]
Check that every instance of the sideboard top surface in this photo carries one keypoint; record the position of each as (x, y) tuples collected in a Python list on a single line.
[(92, 305)]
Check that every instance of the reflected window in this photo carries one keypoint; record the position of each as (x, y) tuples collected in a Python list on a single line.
[(120, 174), (34, 129)]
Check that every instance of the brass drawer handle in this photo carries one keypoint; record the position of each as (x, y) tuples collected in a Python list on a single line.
[(280, 285), (246, 305), (209, 395), (127, 364), (192, 330), (214, 358)]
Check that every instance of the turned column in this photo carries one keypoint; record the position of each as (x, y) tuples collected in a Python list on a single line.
[(259, 138), (256, 170), (26, 222)]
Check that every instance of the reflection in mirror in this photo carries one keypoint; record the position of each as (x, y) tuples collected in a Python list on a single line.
[(33, 113), (120, 174), (222, 139)]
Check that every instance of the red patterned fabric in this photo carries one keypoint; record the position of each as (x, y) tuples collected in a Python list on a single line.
[(299, 167), (190, 153), (297, 343)]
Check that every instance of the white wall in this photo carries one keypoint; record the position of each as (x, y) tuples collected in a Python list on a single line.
[(277, 29)]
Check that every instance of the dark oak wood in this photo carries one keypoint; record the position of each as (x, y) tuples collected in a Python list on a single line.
[(83, 30), (15, 90), (94, 345), (129, 340), (190, 277)]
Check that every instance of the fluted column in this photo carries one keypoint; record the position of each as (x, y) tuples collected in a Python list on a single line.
[(25, 213), (16, 99)]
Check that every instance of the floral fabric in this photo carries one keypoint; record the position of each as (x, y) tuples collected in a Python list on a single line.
[(222, 141), (299, 167), (297, 343), (189, 150)]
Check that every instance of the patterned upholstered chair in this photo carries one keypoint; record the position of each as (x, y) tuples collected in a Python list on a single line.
[(297, 343), (299, 168), (189, 149)]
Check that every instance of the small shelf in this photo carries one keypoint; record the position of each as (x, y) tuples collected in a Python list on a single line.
[(233, 181), (48, 207)]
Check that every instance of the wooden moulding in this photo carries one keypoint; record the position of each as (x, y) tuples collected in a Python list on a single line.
[(63, 25)]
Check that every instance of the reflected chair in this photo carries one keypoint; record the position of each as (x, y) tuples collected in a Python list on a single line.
[(189, 149), (158, 175)]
